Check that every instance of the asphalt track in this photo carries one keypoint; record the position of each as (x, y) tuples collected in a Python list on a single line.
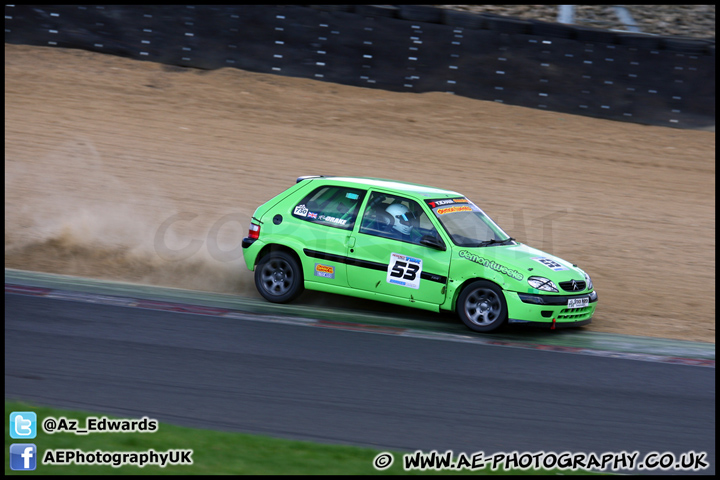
[(129, 351)]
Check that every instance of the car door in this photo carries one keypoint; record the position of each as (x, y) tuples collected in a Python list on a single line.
[(328, 216), (384, 260)]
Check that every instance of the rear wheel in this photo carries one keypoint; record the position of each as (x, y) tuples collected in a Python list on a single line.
[(481, 306), (278, 277)]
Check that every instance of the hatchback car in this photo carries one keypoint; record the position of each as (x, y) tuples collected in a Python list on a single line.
[(411, 245)]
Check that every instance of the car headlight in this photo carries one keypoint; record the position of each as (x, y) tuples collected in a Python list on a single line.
[(542, 283), (588, 282)]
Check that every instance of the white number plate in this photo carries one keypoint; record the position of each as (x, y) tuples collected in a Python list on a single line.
[(578, 302)]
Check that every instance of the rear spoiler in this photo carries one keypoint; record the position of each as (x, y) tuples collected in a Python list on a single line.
[(307, 177)]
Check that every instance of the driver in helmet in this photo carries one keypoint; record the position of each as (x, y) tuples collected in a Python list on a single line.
[(404, 221)]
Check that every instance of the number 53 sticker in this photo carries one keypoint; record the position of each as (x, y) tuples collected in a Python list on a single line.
[(404, 270)]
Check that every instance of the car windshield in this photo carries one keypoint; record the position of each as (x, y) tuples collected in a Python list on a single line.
[(467, 225)]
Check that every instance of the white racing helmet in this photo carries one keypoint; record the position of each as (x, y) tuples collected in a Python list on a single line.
[(404, 218)]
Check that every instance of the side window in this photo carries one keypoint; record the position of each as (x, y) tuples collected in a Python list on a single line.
[(332, 206), (397, 218)]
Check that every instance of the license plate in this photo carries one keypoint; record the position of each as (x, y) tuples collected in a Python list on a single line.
[(578, 302)]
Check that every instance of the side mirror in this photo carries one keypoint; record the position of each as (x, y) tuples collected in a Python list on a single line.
[(433, 242)]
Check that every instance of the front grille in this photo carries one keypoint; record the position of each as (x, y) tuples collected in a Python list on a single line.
[(575, 314), (568, 286)]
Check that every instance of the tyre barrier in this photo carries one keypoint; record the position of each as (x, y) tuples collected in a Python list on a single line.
[(668, 81)]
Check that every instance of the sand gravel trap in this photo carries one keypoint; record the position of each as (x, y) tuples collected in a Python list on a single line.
[(102, 153)]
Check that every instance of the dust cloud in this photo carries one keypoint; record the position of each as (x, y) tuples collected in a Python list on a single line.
[(67, 213)]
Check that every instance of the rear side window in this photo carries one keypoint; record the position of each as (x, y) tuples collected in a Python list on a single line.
[(332, 206)]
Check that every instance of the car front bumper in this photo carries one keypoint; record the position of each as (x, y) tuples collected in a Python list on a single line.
[(549, 309)]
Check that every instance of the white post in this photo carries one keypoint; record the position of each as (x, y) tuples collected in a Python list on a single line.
[(625, 18), (566, 14)]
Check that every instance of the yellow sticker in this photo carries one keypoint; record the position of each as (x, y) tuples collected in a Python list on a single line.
[(443, 211)]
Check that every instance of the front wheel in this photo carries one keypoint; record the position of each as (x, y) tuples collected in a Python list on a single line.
[(481, 306), (278, 277)]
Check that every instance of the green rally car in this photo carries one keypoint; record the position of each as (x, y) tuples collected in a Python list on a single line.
[(409, 245)]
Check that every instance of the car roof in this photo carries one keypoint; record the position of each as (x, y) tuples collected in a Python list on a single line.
[(411, 189)]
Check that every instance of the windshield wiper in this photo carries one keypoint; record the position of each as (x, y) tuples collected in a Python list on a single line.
[(493, 241)]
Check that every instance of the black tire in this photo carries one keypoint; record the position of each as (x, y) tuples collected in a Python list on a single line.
[(420, 13), (502, 24), (637, 40), (482, 307), (686, 45), (278, 277), (456, 18), (552, 30), (594, 35), (388, 11)]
